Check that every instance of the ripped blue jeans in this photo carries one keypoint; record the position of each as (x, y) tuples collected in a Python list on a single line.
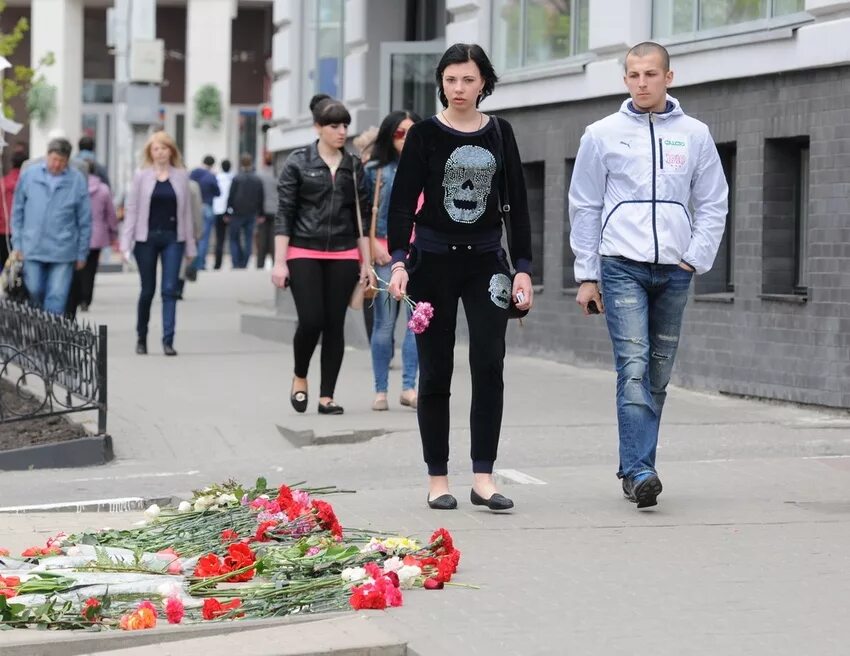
[(644, 304)]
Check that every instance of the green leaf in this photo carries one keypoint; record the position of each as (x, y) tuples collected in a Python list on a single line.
[(262, 485)]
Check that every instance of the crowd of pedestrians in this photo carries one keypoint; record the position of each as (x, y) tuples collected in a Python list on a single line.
[(433, 208)]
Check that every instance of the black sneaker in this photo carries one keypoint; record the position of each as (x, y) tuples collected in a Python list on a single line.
[(643, 490)]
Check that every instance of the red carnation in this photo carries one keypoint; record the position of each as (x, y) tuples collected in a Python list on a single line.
[(367, 596), (209, 565), (8, 593), (260, 535), (445, 569), (214, 608), (327, 518), (229, 535), (238, 556), (284, 497), (174, 610), (433, 584), (441, 542), (92, 609)]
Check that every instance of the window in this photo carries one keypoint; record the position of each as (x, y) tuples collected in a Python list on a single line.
[(569, 258), (529, 33), (674, 17), (720, 279), (785, 229), (535, 177), (323, 49)]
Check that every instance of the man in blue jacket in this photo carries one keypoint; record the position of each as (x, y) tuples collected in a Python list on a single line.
[(51, 226), (648, 202)]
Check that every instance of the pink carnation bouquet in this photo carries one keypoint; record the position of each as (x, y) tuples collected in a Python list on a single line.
[(423, 311)]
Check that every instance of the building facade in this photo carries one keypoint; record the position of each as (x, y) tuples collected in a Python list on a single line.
[(771, 78), (225, 43)]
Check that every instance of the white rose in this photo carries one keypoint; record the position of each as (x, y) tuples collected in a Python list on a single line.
[(392, 564), (352, 574), (203, 503), (152, 512), (184, 507), (407, 575)]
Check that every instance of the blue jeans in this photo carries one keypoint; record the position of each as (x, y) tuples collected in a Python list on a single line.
[(204, 241), (161, 245), (241, 237), (48, 284), (644, 304), (386, 311)]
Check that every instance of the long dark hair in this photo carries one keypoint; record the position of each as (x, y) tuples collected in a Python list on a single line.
[(328, 111), (460, 53), (383, 150)]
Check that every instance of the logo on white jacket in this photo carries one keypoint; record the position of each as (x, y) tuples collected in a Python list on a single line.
[(467, 182)]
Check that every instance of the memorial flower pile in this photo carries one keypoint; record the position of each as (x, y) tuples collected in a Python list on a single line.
[(228, 553)]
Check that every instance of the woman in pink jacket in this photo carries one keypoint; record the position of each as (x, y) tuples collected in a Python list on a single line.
[(104, 232), (158, 227)]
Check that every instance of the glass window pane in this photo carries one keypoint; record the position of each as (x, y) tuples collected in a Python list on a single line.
[(719, 13), (412, 84), (547, 31), (507, 34), (330, 39), (782, 7), (583, 26), (671, 17)]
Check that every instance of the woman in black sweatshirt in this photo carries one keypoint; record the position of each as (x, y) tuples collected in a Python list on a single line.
[(459, 159)]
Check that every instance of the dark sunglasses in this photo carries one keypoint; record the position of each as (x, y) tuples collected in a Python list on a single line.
[(400, 133)]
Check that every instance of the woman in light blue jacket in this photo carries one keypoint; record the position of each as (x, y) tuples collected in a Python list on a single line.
[(381, 170), (158, 226)]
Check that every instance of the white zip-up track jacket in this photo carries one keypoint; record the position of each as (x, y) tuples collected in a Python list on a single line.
[(636, 177)]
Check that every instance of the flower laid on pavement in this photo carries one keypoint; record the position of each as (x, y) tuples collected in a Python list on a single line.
[(249, 552)]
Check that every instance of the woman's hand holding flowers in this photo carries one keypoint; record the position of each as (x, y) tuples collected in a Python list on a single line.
[(398, 282)]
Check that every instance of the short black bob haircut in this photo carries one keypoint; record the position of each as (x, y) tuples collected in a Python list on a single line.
[(460, 53), (328, 111), (383, 150)]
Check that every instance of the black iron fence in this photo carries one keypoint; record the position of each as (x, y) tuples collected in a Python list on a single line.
[(55, 365)]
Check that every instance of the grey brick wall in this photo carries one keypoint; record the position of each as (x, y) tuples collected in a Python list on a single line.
[(740, 342)]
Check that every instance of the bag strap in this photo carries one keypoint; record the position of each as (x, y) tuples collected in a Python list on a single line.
[(356, 197), (376, 204), (502, 194)]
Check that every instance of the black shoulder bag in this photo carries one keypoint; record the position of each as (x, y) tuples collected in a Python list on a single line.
[(505, 208)]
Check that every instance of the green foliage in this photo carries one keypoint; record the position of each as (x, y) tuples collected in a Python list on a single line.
[(208, 106), (21, 79), (41, 100)]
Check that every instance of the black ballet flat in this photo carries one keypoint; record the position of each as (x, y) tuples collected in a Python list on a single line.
[(299, 401), (443, 502), (330, 408), (495, 502)]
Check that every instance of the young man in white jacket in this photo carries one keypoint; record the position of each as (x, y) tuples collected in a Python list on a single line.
[(637, 176)]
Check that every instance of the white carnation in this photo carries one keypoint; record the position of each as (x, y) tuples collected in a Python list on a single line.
[(184, 507), (393, 564), (352, 574), (152, 512), (407, 575)]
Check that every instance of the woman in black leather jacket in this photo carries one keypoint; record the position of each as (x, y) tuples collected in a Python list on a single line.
[(318, 246)]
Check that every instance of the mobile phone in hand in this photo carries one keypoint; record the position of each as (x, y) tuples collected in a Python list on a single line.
[(592, 308)]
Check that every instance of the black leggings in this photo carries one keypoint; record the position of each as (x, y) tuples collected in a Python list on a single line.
[(321, 290), (482, 281)]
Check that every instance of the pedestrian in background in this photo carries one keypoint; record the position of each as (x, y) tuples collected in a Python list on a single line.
[(104, 233), (381, 171), (86, 154), (651, 246), (210, 190), (158, 228), (265, 221), (319, 247), (51, 226), (10, 181), (245, 203), (455, 158), (224, 179)]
